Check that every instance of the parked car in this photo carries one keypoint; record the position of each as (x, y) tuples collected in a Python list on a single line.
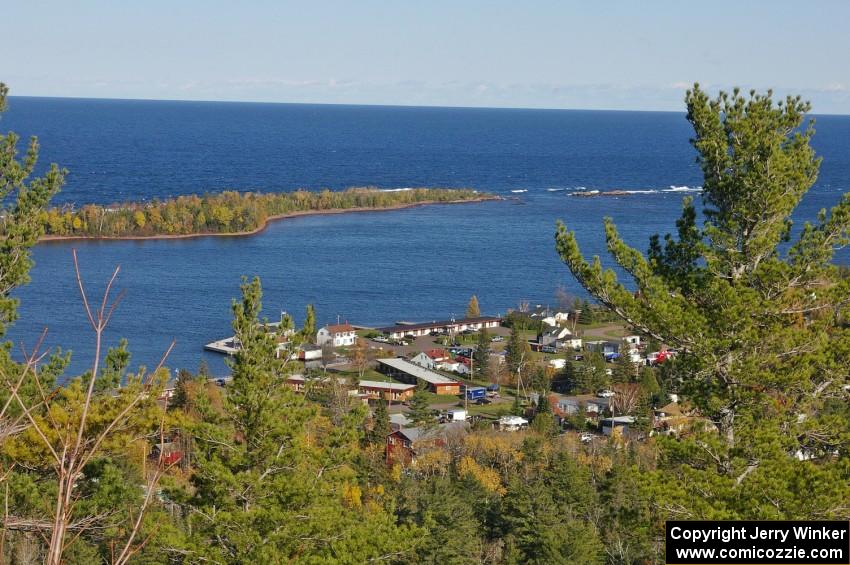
[(497, 338), (585, 437), (605, 393), (482, 401), (548, 349)]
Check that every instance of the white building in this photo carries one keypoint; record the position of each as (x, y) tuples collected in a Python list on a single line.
[(310, 352), (401, 331), (571, 342), (553, 336), (632, 340), (431, 359), (549, 316), (512, 423), (558, 363), (453, 366), (339, 335)]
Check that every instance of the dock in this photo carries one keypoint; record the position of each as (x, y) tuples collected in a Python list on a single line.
[(227, 346)]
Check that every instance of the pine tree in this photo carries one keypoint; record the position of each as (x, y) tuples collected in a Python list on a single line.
[(22, 201), (286, 323), (517, 408), (420, 409), (577, 306), (116, 363), (544, 418), (380, 424), (540, 380), (275, 479), (578, 419), (624, 371), (517, 354), (643, 414), (592, 376), (537, 532), (481, 356), (588, 313), (564, 380), (757, 312), (257, 392), (308, 332), (454, 531), (649, 384), (472, 309), (181, 389)]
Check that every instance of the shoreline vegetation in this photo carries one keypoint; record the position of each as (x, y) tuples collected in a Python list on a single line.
[(231, 213)]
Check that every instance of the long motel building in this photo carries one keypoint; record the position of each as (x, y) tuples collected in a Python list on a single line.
[(400, 331), (369, 390), (413, 374), (395, 392)]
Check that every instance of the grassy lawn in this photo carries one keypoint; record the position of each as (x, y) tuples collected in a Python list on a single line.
[(471, 382), (616, 334), (493, 410), (546, 357), (528, 334), (583, 326), (442, 398)]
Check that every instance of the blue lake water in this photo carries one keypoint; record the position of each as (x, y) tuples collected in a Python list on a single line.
[(367, 268)]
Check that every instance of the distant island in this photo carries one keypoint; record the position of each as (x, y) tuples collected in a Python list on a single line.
[(232, 213)]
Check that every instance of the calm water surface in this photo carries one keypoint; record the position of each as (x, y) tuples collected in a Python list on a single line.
[(369, 268)]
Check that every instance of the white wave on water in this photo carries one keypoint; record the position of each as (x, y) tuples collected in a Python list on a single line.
[(395, 189), (555, 189), (520, 190), (674, 188), (622, 192)]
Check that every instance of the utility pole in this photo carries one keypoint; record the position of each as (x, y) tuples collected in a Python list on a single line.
[(466, 391)]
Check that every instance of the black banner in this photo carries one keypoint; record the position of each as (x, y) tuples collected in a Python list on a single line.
[(758, 543)]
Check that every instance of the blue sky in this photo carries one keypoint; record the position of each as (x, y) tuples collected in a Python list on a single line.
[(541, 54)]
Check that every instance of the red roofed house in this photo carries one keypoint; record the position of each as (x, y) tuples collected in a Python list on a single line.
[(338, 335)]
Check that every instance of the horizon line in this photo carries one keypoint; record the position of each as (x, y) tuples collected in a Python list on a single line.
[(371, 105), (349, 104)]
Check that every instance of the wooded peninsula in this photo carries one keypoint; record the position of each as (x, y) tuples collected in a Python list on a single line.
[(231, 212)]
